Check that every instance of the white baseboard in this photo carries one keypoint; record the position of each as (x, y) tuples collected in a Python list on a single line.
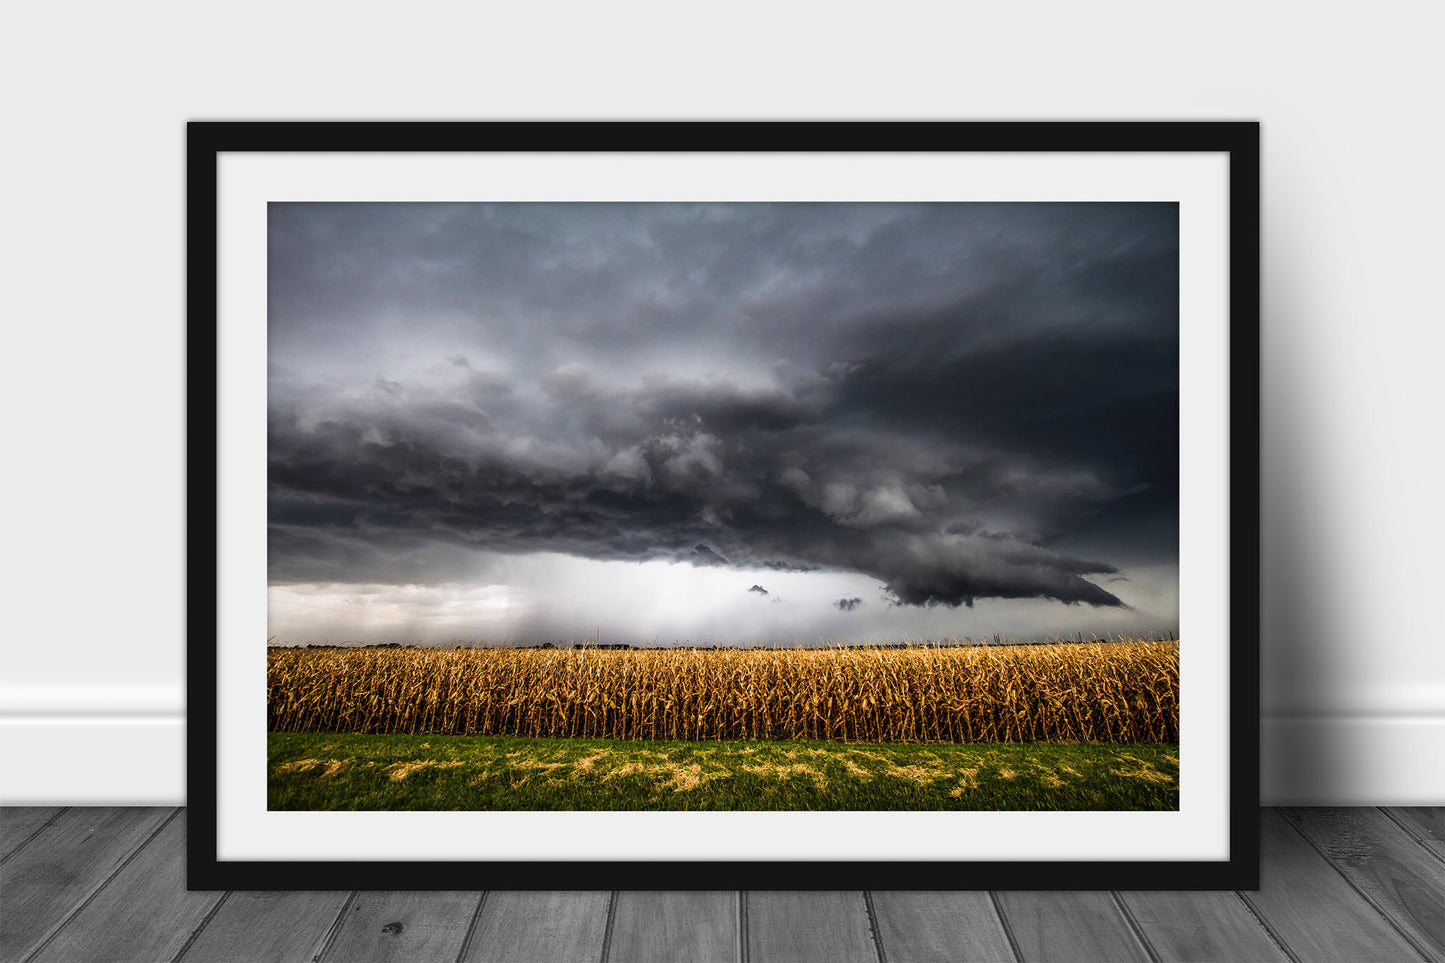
[(139, 760), (124, 760), (1352, 760)]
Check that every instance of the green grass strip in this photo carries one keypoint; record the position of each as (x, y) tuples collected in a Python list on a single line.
[(347, 771)]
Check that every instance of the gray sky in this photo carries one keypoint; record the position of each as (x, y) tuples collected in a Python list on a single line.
[(724, 423)]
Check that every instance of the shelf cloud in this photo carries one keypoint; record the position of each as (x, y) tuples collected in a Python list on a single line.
[(962, 401)]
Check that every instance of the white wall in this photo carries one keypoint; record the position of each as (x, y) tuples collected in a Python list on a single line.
[(91, 675)]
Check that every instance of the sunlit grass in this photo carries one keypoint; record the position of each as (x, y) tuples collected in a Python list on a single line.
[(435, 772)]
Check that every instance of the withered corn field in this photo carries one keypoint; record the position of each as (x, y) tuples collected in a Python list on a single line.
[(1062, 692)]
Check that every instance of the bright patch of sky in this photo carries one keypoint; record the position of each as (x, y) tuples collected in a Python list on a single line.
[(564, 599)]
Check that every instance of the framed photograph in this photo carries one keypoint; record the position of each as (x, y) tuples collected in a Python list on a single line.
[(723, 505)]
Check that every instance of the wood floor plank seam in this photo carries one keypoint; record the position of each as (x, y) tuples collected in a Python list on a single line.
[(873, 926), (1389, 918), (1269, 931), (1412, 832), (1008, 932), (471, 927), (1320, 914), (200, 927), (335, 928), (33, 833), (1134, 927), (271, 925), (744, 954), (1392, 845), (86, 900), (1274, 934), (1397, 835), (1426, 954), (607, 930), (404, 926)]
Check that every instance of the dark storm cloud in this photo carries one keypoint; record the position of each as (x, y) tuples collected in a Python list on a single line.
[(940, 396), (849, 604), (759, 589)]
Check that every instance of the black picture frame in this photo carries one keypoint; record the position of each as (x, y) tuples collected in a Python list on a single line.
[(207, 142)]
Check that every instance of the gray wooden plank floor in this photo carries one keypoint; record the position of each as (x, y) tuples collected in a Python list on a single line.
[(85, 884)]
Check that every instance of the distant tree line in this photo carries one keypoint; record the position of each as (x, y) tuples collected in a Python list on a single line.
[(623, 646)]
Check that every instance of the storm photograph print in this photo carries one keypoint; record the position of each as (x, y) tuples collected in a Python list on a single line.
[(723, 506)]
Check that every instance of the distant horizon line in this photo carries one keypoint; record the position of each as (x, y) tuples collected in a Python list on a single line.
[(1076, 638)]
